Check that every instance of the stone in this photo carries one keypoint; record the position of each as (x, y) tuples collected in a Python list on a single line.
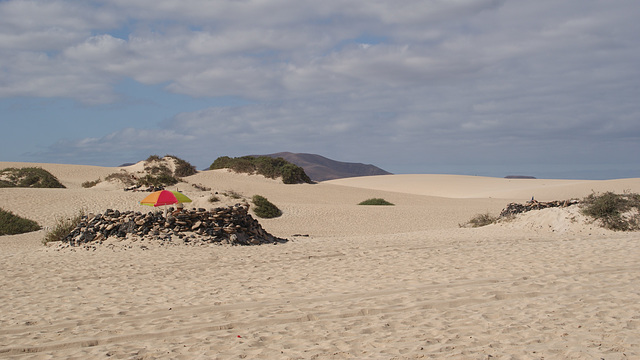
[(196, 225), (223, 225)]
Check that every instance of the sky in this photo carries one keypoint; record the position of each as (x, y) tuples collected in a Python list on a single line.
[(543, 88)]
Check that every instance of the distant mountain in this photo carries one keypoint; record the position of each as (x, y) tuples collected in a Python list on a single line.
[(519, 177), (319, 168)]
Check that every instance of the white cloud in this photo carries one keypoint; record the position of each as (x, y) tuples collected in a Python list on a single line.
[(409, 76)]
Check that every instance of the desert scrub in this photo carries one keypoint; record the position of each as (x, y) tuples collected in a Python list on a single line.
[(123, 177), (376, 201), (232, 194), (63, 227), (482, 220), (90, 184), (264, 208), (264, 165), (28, 177), (213, 199), (158, 180), (620, 212), (201, 187), (183, 167), (11, 224)]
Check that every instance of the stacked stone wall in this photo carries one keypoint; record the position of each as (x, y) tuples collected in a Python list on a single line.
[(516, 208), (225, 225)]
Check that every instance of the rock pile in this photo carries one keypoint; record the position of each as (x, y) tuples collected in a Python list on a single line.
[(515, 208), (224, 225)]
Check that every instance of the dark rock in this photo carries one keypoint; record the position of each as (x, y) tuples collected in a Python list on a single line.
[(515, 208), (230, 225)]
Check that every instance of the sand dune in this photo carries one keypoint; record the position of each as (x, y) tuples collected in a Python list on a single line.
[(460, 186), (397, 282)]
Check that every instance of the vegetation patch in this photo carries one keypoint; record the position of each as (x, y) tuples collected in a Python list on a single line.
[(157, 172), (619, 212), (232, 194), (123, 177), (201, 187), (183, 167), (63, 227), (264, 208), (29, 177), (11, 224), (90, 184), (157, 180), (269, 167), (376, 201), (482, 220)]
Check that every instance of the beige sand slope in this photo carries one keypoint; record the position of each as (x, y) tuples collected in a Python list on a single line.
[(460, 186), (398, 282)]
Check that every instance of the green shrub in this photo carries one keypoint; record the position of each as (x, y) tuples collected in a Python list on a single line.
[(183, 167), (63, 227), (375, 201), (264, 208), (29, 177), (123, 177), (161, 169), (232, 194), (90, 184), (264, 165), (482, 220), (292, 174), (614, 211), (153, 158), (158, 180), (11, 224)]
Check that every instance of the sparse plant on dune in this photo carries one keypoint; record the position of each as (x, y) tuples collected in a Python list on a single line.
[(11, 224), (264, 208), (90, 184), (33, 177), (482, 220), (124, 177), (620, 212), (376, 201), (264, 165), (63, 227)]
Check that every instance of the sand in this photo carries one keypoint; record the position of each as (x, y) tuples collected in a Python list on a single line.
[(397, 282)]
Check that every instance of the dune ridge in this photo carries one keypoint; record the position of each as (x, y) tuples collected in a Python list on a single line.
[(395, 282)]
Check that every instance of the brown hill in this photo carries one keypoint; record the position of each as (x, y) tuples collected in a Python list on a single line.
[(320, 168)]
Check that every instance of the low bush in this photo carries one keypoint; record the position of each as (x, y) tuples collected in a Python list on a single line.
[(183, 167), (123, 177), (482, 220), (63, 227), (620, 212), (11, 224), (158, 180), (232, 194), (264, 208), (213, 199), (201, 187), (161, 169), (28, 177), (90, 184), (264, 165), (376, 201)]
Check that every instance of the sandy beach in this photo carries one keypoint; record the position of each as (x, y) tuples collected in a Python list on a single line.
[(353, 282)]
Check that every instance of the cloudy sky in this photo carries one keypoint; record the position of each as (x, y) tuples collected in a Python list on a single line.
[(479, 87)]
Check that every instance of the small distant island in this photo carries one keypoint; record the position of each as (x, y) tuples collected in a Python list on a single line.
[(519, 177)]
